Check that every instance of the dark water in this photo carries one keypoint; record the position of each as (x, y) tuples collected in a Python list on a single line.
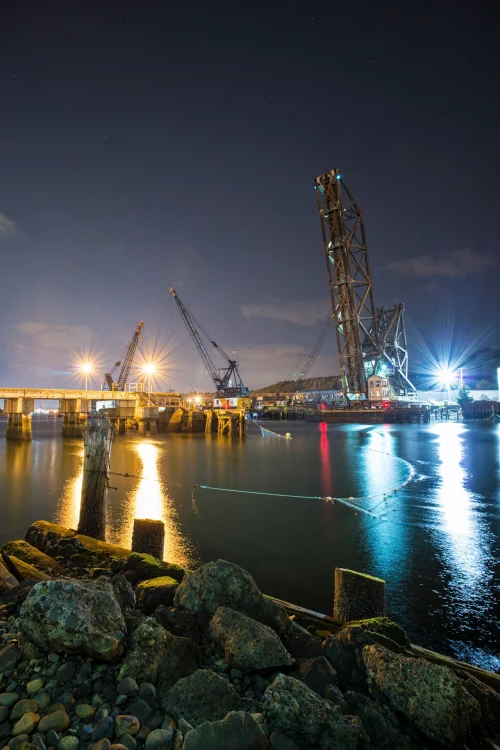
[(435, 541)]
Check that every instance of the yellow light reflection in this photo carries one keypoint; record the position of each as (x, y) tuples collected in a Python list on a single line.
[(68, 511), (152, 501)]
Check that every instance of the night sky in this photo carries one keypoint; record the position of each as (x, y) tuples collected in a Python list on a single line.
[(158, 144)]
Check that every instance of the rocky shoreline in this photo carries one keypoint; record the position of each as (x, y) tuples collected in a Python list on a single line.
[(103, 648)]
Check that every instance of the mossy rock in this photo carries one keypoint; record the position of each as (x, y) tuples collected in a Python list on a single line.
[(147, 566), (32, 556), (386, 632), (156, 592)]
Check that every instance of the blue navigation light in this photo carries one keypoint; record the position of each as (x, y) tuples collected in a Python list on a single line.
[(339, 177)]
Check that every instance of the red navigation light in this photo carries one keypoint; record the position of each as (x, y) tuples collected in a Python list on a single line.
[(386, 405), (323, 406)]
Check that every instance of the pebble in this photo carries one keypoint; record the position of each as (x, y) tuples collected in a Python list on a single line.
[(26, 724), (34, 686), (8, 699), (103, 744), (56, 707), (184, 726), (68, 743), (43, 699), (127, 686), (23, 707), (38, 742), (147, 692), (53, 658), (236, 674), (126, 724), (66, 671), (4, 712), (66, 699), (143, 733), (4, 730), (117, 746), (52, 738), (101, 714), (84, 711), (103, 729), (58, 721), (155, 721), (128, 741), (121, 699), (18, 741), (141, 709), (159, 739)]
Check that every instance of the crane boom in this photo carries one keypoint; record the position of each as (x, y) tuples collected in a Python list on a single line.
[(227, 381), (309, 356), (120, 384)]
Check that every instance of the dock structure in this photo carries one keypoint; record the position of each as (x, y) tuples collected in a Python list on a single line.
[(228, 422), (76, 406)]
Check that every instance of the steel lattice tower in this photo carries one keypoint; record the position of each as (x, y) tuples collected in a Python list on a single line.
[(370, 341)]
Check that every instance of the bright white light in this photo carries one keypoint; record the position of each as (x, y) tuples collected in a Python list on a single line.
[(446, 377), (197, 400), (149, 369), (86, 367)]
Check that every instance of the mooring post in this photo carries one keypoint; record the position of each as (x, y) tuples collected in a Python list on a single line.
[(97, 448), (357, 596), (148, 536)]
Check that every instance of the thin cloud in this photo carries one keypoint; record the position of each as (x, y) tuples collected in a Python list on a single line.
[(303, 313), (8, 228), (455, 264)]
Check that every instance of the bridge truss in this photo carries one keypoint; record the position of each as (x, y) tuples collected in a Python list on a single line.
[(370, 341)]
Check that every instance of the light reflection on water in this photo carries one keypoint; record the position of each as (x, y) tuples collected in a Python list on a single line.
[(148, 499), (438, 549), (462, 535)]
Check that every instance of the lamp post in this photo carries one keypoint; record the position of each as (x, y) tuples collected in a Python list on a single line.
[(86, 368), (149, 371)]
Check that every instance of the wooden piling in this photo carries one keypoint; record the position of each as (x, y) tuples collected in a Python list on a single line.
[(97, 448), (148, 536), (357, 596)]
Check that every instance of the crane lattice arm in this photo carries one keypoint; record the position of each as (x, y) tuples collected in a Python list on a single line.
[(227, 381), (309, 356), (120, 384)]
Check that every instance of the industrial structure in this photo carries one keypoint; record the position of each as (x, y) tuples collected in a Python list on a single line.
[(227, 380), (306, 360), (120, 384), (370, 340)]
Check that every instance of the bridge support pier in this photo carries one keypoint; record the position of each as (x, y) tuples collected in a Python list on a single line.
[(19, 417), (75, 412), (121, 426), (147, 419)]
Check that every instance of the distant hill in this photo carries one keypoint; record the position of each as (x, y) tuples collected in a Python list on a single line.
[(330, 382)]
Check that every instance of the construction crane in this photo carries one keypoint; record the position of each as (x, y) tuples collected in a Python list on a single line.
[(370, 341), (309, 356), (227, 380), (120, 384)]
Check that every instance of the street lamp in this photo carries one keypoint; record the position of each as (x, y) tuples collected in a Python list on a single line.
[(86, 368), (446, 378), (149, 370)]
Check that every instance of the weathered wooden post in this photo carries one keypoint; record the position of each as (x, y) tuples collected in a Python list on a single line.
[(148, 536), (97, 448), (357, 596)]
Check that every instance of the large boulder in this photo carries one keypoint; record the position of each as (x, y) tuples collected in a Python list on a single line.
[(382, 729), (48, 537), (147, 567), (203, 696), (23, 571), (155, 592), (247, 643), (489, 703), (221, 583), (31, 555), (181, 658), (7, 580), (316, 674), (146, 650), (74, 616), (292, 708), (238, 731), (430, 697)]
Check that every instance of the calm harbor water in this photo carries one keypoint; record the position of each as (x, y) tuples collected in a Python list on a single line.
[(436, 541)]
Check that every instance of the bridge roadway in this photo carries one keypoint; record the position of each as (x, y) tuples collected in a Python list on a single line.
[(75, 406), (57, 394)]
